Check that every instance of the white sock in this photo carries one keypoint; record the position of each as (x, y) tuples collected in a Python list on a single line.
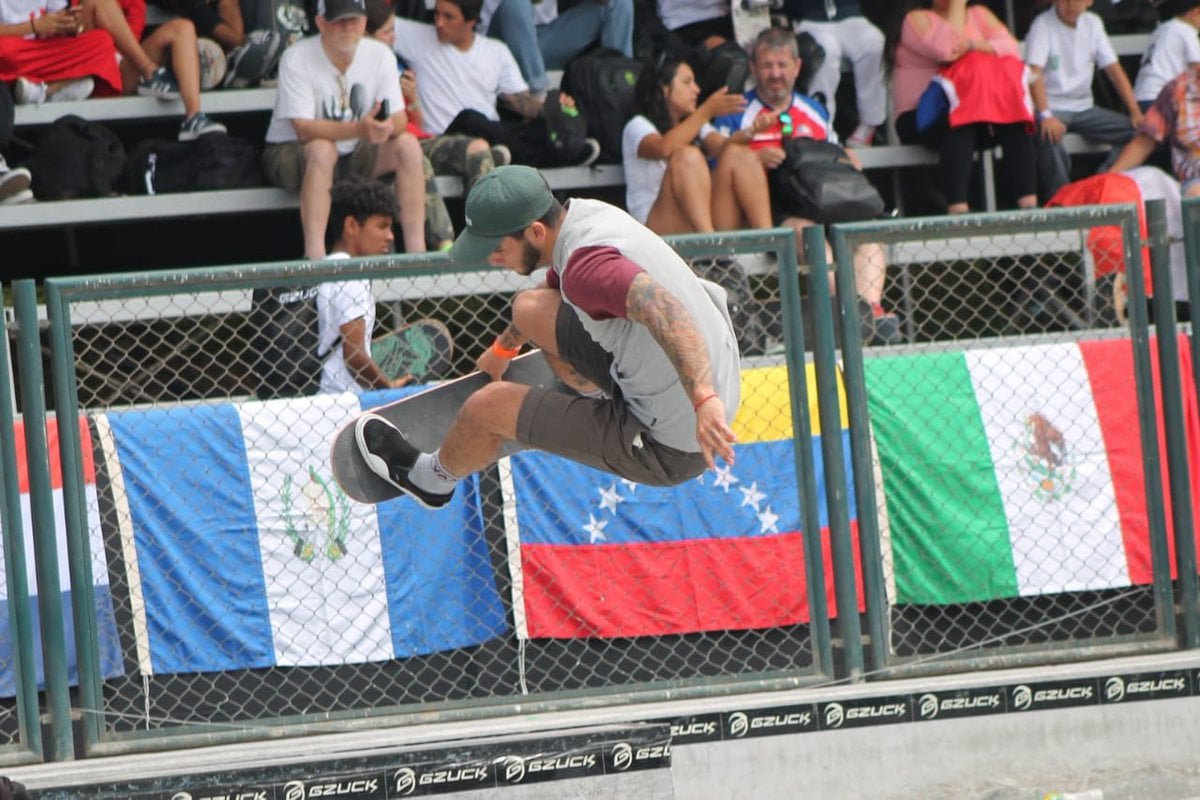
[(429, 474)]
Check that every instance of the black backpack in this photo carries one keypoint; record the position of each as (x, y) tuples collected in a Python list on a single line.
[(213, 161), (285, 360), (566, 131), (602, 81), (76, 158)]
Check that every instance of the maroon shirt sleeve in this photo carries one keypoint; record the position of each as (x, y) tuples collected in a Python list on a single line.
[(597, 279)]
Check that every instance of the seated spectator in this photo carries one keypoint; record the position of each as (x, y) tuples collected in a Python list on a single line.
[(1174, 46), (361, 217), (449, 154), (927, 36), (238, 43), (1064, 46), (1170, 121), (668, 185), (48, 56), (339, 114), (540, 38), (462, 77), (144, 67), (847, 38), (775, 110)]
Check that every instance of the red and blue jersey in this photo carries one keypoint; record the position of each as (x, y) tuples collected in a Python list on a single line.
[(804, 118)]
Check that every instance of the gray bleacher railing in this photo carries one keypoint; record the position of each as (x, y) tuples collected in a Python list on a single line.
[(160, 698), (993, 303)]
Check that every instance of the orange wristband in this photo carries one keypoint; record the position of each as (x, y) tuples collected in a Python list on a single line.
[(703, 400), (505, 352)]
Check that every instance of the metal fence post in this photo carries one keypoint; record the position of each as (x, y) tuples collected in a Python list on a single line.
[(79, 556), (45, 551), (841, 546), (19, 618), (1173, 418), (1139, 332), (806, 480), (874, 583)]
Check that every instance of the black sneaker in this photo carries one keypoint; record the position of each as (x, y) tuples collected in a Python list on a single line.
[(249, 63), (391, 456)]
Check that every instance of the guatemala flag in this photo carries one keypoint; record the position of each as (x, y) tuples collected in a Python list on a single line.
[(248, 554)]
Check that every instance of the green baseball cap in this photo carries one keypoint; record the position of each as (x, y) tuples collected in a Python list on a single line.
[(504, 201)]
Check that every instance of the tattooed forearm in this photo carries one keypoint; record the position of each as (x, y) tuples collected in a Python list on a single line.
[(512, 338), (523, 103), (649, 304)]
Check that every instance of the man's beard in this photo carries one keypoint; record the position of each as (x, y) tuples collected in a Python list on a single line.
[(530, 256)]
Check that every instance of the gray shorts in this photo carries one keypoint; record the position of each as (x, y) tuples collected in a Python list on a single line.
[(603, 434), (283, 164)]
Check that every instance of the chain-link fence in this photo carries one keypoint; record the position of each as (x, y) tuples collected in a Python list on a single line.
[(247, 590), (995, 498), (1006, 441)]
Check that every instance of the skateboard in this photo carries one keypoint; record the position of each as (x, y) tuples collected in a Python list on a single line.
[(425, 417), (750, 18), (423, 349)]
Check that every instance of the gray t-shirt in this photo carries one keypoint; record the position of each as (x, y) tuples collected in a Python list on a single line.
[(649, 381)]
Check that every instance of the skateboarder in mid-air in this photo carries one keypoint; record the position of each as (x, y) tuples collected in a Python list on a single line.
[(647, 347)]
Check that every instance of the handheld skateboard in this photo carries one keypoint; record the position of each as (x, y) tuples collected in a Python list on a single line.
[(423, 349), (425, 417)]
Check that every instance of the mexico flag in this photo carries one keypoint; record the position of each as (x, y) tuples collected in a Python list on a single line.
[(1014, 471)]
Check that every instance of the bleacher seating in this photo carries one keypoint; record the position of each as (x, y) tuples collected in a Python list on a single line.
[(889, 158)]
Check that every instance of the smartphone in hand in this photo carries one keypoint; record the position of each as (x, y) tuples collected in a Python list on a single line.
[(385, 110)]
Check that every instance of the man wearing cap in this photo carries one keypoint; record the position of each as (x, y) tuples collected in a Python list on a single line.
[(647, 346), (324, 126)]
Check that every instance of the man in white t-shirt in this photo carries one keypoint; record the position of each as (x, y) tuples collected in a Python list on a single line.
[(360, 224), (1064, 46), (463, 75), (541, 38), (339, 113)]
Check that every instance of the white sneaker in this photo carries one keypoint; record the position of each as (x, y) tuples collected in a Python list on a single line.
[(23, 196), (12, 183), (29, 93), (79, 89)]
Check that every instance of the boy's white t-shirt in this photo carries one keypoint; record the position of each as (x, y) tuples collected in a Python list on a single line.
[(339, 302), (1068, 57), (452, 80), (644, 176), (311, 87), (1173, 46)]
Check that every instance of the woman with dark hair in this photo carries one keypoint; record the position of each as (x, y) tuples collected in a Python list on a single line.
[(927, 36), (666, 147)]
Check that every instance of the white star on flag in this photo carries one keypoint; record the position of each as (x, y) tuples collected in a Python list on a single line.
[(767, 520), (630, 485), (610, 498), (595, 529), (725, 477), (752, 496)]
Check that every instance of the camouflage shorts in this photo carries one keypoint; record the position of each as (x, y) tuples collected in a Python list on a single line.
[(283, 164)]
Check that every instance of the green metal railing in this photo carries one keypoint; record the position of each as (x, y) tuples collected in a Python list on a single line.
[(997, 246), (1049, 288), (98, 696), (27, 745)]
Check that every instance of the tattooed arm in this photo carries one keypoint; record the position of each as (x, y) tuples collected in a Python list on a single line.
[(669, 322), (524, 103)]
